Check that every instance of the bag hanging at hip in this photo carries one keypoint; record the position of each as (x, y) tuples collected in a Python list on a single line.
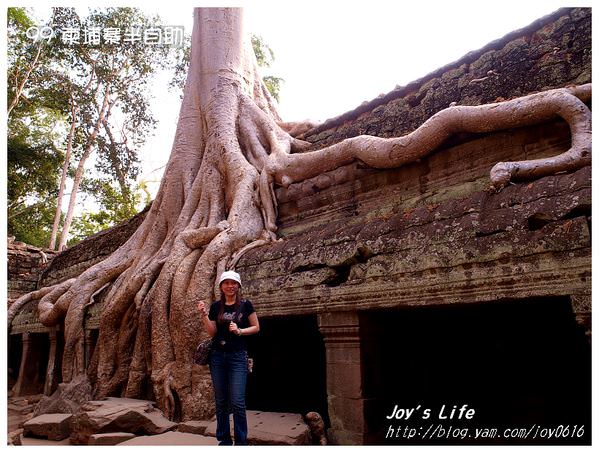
[(202, 354)]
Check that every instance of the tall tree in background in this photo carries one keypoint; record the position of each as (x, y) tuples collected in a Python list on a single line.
[(90, 87), (27, 57), (110, 82), (265, 57), (217, 201), (33, 131)]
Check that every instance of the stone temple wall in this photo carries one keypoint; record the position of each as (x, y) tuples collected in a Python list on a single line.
[(25, 265), (349, 232), (74, 260)]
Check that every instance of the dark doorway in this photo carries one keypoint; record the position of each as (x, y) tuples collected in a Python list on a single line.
[(34, 372), (15, 349), (519, 364), (289, 372)]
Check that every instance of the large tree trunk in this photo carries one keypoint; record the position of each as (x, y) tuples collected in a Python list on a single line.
[(67, 159), (63, 176), (216, 201), (102, 115)]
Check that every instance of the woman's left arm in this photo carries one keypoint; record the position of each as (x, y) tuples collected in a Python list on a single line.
[(254, 325)]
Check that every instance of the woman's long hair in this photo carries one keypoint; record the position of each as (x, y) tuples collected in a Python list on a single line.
[(222, 304)]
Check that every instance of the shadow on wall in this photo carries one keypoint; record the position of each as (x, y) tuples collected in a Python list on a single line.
[(289, 373)]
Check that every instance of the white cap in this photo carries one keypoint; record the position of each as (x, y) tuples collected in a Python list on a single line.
[(229, 275)]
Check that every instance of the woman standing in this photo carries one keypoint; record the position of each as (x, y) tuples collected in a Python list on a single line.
[(228, 321)]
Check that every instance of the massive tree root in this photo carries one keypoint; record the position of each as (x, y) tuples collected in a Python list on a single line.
[(217, 201)]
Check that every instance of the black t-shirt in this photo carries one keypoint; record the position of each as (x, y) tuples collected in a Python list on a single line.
[(224, 339)]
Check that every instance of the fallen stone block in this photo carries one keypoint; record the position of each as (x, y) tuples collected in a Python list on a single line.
[(118, 415), (67, 399), (194, 426), (109, 438), (172, 438), (49, 426), (272, 428)]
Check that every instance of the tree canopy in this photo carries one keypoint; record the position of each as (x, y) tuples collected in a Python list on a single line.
[(87, 83)]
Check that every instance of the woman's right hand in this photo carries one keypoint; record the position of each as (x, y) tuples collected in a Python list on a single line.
[(202, 308)]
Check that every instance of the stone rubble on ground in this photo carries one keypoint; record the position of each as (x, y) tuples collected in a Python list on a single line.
[(14, 437), (34, 441), (67, 399), (125, 421), (50, 426), (172, 438), (118, 415), (109, 438), (194, 426), (272, 428)]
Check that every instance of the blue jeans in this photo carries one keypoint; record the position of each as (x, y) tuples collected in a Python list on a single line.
[(229, 375)]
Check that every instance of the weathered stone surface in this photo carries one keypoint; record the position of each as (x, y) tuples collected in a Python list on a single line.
[(18, 411), (481, 246), (67, 399), (172, 438), (14, 437), (27, 320), (74, 260), (272, 428), (118, 415), (453, 172), (49, 426), (194, 426), (109, 438), (25, 264)]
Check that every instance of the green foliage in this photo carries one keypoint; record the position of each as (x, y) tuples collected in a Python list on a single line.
[(265, 58), (264, 54), (32, 180), (33, 160), (32, 167), (33, 225), (54, 84), (274, 85), (17, 17), (115, 206), (32, 172)]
